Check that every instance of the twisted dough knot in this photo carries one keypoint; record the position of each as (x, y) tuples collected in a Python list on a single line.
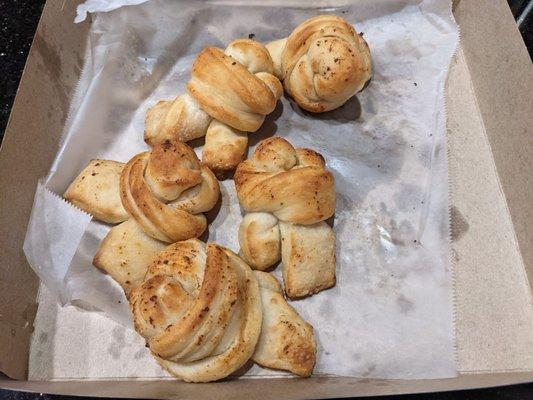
[(167, 189), (236, 87), (322, 63), (181, 119), (199, 310), (290, 183)]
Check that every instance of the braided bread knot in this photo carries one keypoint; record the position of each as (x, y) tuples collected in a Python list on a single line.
[(199, 310), (166, 190), (288, 194), (292, 184), (229, 94), (322, 63), (236, 87)]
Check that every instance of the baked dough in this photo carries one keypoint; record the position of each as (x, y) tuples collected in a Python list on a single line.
[(248, 93), (167, 189), (179, 119), (287, 342), (224, 147), (229, 94), (322, 63), (307, 258), (96, 191), (260, 240), (161, 195), (287, 194), (199, 309), (292, 184), (125, 254)]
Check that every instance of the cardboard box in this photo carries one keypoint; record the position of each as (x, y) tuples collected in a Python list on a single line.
[(489, 99)]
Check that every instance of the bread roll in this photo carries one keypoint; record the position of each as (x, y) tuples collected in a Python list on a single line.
[(322, 63), (199, 309)]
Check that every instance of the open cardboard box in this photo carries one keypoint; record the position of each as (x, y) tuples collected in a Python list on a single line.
[(489, 99)]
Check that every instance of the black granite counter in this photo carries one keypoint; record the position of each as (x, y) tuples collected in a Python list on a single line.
[(18, 21)]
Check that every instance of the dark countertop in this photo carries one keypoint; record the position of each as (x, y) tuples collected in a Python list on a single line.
[(18, 21)]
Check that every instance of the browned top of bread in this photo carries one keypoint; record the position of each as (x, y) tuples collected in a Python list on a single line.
[(293, 184), (324, 63), (167, 189), (199, 310), (235, 87)]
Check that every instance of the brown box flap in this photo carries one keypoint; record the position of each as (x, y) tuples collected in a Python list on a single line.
[(252, 389), (502, 77), (494, 313), (30, 144), (494, 317)]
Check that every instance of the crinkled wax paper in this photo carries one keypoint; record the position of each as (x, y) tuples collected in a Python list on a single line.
[(390, 314)]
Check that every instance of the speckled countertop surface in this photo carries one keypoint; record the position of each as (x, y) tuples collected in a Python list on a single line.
[(18, 21)]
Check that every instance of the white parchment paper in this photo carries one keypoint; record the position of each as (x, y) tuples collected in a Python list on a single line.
[(390, 314)]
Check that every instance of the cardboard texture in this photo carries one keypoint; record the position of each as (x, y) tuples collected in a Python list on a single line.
[(502, 77), (494, 317), (489, 97), (37, 117)]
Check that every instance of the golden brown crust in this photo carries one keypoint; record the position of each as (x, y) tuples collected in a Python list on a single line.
[(199, 310), (259, 238), (226, 87), (275, 49), (251, 54), (180, 119), (237, 108), (308, 258), (229, 93), (291, 184), (125, 254), (224, 147), (287, 342), (272, 82), (96, 191), (211, 309), (324, 62), (166, 190)]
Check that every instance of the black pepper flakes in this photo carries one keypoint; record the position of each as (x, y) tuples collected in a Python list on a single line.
[(166, 145)]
